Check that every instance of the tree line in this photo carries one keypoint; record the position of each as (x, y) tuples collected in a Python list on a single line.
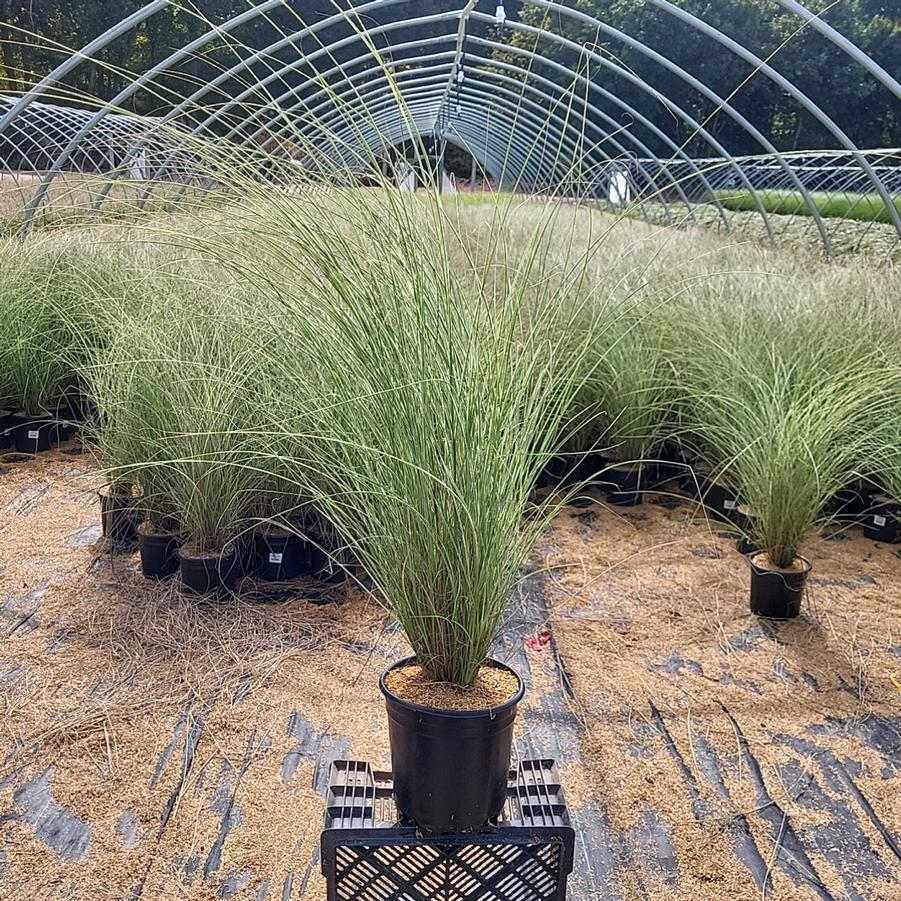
[(36, 35)]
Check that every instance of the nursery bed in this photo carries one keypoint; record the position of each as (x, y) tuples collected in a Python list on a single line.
[(161, 748)]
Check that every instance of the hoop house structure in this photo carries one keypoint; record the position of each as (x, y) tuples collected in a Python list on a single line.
[(543, 96)]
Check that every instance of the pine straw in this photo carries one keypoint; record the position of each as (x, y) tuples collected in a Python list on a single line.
[(640, 619), (203, 643), (492, 688)]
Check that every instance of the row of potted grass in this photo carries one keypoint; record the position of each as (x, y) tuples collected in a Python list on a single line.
[(40, 321), (726, 382), (745, 386), (776, 404), (375, 363)]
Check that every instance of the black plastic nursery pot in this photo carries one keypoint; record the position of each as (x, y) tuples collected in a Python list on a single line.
[(73, 408), (883, 522), (625, 485), (281, 555), (32, 436), (544, 478), (693, 478), (851, 503), (64, 430), (566, 470), (245, 554), (159, 551), (743, 518), (119, 516), (213, 574), (777, 593), (333, 560), (720, 500), (450, 767)]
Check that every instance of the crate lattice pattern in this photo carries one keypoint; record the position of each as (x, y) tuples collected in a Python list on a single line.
[(367, 855), (432, 873)]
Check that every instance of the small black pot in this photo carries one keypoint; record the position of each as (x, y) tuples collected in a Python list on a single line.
[(721, 501), (450, 767), (159, 552), (671, 463), (776, 594), (209, 574), (883, 523), (32, 436), (693, 476), (743, 518), (746, 546), (851, 503), (281, 555), (245, 550), (543, 479), (568, 470), (625, 485), (333, 560), (119, 516), (74, 408)]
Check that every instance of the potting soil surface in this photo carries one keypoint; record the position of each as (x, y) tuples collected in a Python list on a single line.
[(493, 687), (159, 747)]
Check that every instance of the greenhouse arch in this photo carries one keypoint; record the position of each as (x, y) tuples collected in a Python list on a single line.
[(534, 91)]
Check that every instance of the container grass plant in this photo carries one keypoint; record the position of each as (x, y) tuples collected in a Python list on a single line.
[(428, 420), (44, 320), (204, 450), (177, 404), (125, 432), (625, 401), (788, 405), (881, 468)]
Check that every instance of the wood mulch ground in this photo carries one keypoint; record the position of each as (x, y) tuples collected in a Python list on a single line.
[(160, 747)]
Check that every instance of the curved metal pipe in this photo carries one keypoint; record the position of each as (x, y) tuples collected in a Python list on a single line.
[(786, 85), (413, 80), (524, 146), (844, 44), (287, 40), (561, 127), (628, 109), (477, 78)]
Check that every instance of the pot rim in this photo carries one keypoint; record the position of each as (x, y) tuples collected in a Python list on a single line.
[(107, 491), (273, 530), (891, 510), (808, 566), (144, 528), (185, 552), (453, 714), (628, 466)]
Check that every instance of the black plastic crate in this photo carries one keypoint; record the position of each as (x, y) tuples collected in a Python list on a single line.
[(367, 855)]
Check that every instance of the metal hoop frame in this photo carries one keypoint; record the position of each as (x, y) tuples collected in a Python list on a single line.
[(531, 122)]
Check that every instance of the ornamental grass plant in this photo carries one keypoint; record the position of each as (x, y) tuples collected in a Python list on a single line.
[(427, 417), (789, 408), (178, 411), (48, 326), (627, 394)]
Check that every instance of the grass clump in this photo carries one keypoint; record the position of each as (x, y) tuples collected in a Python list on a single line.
[(178, 412), (49, 325), (788, 406), (427, 418), (624, 405)]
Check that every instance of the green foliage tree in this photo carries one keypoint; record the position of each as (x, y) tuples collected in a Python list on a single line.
[(35, 36)]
